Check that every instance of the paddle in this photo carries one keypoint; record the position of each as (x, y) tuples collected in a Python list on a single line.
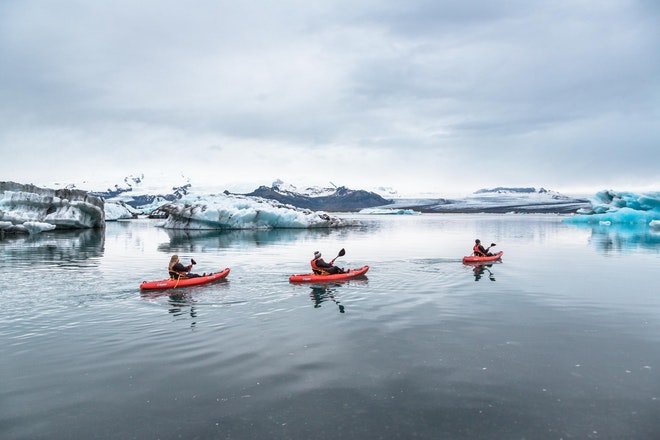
[(341, 253)]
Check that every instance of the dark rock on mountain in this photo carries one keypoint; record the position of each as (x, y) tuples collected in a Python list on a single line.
[(342, 199), (139, 200)]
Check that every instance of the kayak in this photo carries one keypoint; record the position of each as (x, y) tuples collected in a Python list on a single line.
[(312, 277), (184, 282), (475, 259)]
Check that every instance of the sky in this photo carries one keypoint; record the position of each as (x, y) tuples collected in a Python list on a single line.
[(423, 96)]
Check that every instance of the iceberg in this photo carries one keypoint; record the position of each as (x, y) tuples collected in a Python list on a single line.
[(119, 211), (32, 209), (37, 227), (385, 211), (232, 211), (611, 207)]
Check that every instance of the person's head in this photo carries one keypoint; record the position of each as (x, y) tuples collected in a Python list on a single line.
[(173, 260), (317, 255), (477, 241)]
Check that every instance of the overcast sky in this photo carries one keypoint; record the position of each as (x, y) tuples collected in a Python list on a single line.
[(420, 95)]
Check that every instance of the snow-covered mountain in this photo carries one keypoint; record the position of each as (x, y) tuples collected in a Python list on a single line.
[(27, 208), (320, 199), (138, 192), (141, 195)]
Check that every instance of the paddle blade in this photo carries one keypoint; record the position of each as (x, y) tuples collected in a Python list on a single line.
[(342, 252)]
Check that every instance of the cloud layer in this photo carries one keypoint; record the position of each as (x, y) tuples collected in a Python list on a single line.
[(424, 95)]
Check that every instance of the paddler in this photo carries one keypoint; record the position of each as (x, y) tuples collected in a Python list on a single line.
[(320, 267), (480, 251), (178, 270)]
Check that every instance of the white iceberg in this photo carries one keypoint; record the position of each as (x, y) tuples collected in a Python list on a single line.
[(39, 207), (118, 211), (37, 227), (230, 211), (385, 211)]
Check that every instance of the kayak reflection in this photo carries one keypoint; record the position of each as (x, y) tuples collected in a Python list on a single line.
[(480, 269), (324, 292)]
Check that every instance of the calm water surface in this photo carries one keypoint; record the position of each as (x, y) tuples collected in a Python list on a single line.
[(560, 340)]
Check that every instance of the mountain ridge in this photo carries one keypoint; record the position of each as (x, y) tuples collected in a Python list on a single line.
[(136, 191)]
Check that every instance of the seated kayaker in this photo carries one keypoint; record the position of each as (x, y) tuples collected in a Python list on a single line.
[(320, 267), (178, 270), (480, 251)]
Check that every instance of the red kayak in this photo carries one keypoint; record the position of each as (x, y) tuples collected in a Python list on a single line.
[(475, 259), (312, 277), (184, 282)]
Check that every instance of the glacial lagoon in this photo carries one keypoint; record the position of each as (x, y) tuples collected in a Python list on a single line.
[(559, 340)]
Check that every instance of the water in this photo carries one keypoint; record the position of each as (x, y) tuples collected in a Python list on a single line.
[(560, 340)]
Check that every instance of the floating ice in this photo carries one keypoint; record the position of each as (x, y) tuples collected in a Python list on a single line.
[(227, 211), (37, 227), (118, 211), (62, 208), (620, 208), (385, 211)]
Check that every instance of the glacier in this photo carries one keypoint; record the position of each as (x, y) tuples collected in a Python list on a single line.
[(620, 207), (31, 209), (232, 211), (498, 200)]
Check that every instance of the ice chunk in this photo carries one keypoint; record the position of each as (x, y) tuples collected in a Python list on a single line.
[(621, 208), (63, 208), (117, 211), (385, 211), (229, 211), (37, 227)]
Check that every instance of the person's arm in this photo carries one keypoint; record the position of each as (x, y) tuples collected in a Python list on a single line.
[(178, 267), (321, 263)]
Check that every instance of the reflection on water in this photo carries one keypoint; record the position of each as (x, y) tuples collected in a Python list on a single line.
[(480, 269), (328, 291), (183, 304), (322, 293), (64, 247), (191, 241), (622, 237)]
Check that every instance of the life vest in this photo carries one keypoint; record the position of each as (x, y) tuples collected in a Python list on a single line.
[(317, 270), (478, 251), (177, 275)]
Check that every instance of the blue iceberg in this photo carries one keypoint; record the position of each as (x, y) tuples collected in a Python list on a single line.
[(612, 207)]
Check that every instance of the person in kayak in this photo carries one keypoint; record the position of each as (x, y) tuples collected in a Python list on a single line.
[(178, 270), (320, 267), (480, 251)]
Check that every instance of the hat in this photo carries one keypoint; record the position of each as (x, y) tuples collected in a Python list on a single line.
[(477, 241), (317, 254)]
